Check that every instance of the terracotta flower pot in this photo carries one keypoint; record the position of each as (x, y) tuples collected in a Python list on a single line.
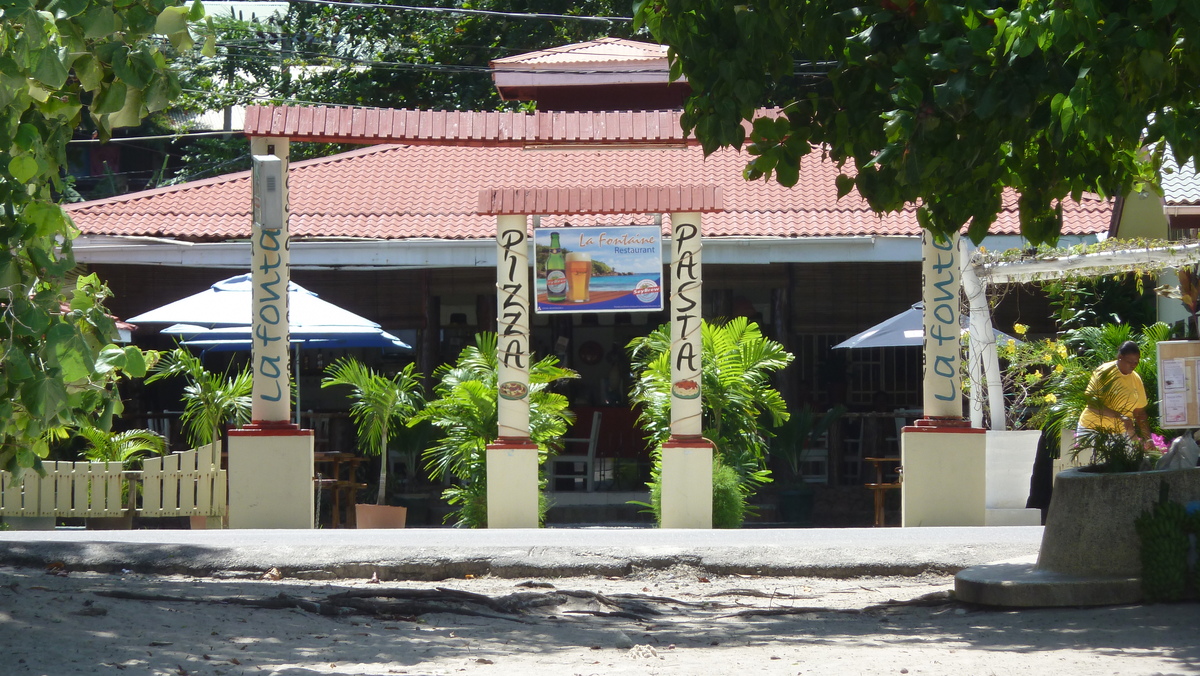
[(379, 516)]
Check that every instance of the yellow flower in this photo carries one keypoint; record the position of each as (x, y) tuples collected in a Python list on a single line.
[(1012, 344), (1062, 350), (1058, 368), (1050, 399), (1047, 358), (1020, 329)]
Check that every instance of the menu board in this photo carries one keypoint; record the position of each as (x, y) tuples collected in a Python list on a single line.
[(1178, 378)]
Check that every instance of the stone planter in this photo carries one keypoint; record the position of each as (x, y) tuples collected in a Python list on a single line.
[(379, 516), (1089, 528), (1090, 553)]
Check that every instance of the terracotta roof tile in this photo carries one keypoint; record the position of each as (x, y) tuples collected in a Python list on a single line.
[(440, 127), (403, 192)]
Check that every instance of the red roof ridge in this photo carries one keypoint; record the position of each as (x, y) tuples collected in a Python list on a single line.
[(354, 124)]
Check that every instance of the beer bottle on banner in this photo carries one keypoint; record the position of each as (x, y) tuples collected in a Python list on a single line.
[(556, 272)]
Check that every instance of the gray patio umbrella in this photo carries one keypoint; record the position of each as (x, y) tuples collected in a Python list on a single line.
[(906, 329)]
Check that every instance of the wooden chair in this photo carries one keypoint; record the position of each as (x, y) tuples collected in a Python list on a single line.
[(574, 472)]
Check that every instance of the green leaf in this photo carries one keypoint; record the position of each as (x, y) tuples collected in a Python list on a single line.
[(171, 20), (98, 22), (70, 352), (135, 361), (196, 12), (210, 46), (16, 366), (845, 184), (89, 72), (48, 219), (1161, 8), (65, 9), (23, 168), (49, 69), (43, 397), (112, 358), (109, 99)]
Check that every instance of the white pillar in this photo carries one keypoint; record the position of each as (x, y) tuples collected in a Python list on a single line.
[(942, 384), (512, 326), (943, 459), (686, 284), (270, 460), (270, 275), (512, 461), (686, 471)]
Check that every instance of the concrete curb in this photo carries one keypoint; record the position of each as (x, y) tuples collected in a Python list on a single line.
[(433, 554)]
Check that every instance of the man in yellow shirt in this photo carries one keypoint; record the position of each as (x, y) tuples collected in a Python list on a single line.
[(1117, 398)]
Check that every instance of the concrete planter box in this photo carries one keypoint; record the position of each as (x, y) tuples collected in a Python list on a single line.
[(1090, 553), (1089, 528)]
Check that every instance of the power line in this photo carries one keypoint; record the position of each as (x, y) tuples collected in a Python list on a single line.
[(480, 12)]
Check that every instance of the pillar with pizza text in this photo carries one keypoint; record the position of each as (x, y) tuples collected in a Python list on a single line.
[(512, 460)]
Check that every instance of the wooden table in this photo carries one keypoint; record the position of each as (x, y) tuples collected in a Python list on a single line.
[(880, 487), (336, 472)]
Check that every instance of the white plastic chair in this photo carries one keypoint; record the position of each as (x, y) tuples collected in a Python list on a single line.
[(577, 470)]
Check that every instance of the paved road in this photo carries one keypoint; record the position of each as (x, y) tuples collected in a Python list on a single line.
[(437, 553)]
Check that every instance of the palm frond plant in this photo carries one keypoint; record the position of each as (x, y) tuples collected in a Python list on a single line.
[(793, 439), (128, 447), (737, 398), (210, 400), (380, 407), (464, 408)]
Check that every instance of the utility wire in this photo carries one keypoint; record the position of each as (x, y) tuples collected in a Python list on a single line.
[(458, 10)]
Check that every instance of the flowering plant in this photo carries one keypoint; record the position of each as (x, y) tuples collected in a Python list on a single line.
[(1046, 379)]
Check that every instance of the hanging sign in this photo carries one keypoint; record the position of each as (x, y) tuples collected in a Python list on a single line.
[(598, 269)]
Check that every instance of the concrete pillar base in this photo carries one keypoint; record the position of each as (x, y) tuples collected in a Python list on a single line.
[(687, 483), (271, 477), (512, 490), (943, 482)]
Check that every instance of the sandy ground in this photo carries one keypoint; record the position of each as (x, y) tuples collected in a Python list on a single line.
[(661, 622)]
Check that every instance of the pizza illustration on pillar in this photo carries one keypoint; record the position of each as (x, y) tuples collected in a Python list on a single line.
[(513, 390), (686, 389)]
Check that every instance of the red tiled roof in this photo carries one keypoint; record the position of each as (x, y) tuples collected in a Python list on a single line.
[(584, 201), (326, 124), (401, 192)]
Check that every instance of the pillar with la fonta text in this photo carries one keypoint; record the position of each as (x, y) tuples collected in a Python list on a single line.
[(942, 457), (512, 461), (687, 458), (270, 460)]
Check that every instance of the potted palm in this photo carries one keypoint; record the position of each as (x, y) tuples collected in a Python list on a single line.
[(210, 400), (380, 408), (465, 410), (792, 445), (738, 361)]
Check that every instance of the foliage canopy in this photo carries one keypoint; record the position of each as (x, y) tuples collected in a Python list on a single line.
[(943, 103), (64, 63)]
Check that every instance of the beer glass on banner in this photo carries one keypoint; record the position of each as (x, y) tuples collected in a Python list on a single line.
[(579, 276)]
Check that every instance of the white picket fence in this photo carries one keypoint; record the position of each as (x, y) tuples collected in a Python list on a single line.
[(189, 483)]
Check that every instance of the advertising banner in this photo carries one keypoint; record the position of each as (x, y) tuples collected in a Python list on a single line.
[(598, 269)]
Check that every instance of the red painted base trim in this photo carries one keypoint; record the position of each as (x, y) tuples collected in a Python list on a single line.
[(270, 428), (511, 443), (690, 441), (944, 426)]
